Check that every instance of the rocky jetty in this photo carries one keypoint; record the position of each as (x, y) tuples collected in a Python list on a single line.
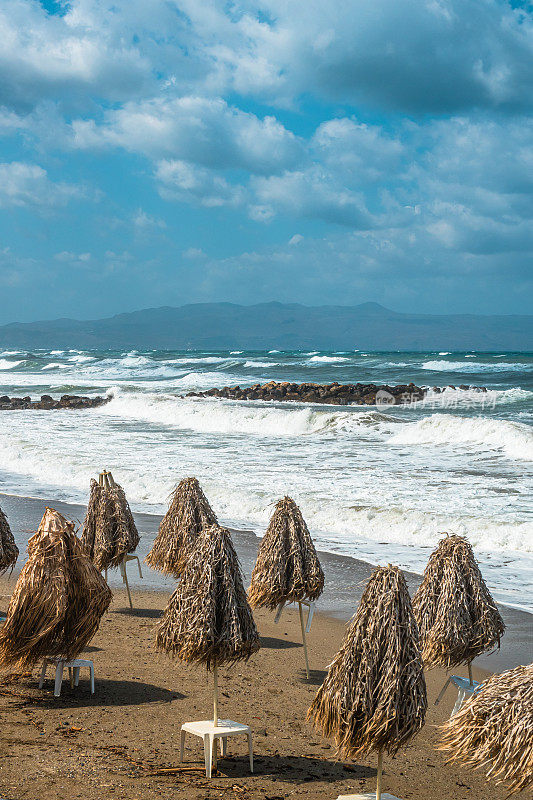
[(338, 394), (49, 404)]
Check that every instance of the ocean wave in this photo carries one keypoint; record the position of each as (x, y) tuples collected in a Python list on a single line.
[(468, 398), (5, 364), (327, 359), (54, 365), (207, 415), (474, 366), (203, 360), (11, 353), (514, 439), (81, 359), (262, 364)]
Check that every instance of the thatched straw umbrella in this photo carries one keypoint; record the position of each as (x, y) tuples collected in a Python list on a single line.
[(109, 530), (494, 729), (208, 619), (9, 551), (58, 600), (374, 695), (287, 567), (189, 513), (456, 615)]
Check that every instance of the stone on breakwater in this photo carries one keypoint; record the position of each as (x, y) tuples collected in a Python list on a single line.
[(72, 401)]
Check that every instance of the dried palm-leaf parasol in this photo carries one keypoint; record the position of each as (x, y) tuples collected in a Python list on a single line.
[(58, 600), (457, 617), (189, 513), (208, 619), (494, 729), (374, 695), (9, 551), (287, 567), (109, 530)]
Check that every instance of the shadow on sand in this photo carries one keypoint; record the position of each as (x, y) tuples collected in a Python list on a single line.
[(272, 643), (147, 613), (108, 693)]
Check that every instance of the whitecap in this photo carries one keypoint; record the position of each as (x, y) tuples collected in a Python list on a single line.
[(5, 364), (327, 359), (55, 365), (514, 439), (475, 366)]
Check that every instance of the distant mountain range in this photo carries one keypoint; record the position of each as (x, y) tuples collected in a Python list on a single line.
[(283, 326)]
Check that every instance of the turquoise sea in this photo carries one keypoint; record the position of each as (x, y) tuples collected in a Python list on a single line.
[(378, 483)]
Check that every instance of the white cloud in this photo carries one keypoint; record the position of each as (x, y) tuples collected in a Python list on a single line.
[(28, 185), (296, 239), (315, 194), (70, 257), (193, 253), (144, 222), (204, 131), (179, 180)]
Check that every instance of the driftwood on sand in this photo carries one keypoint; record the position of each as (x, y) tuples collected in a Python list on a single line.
[(208, 619), (58, 600), (374, 694), (189, 513), (287, 567), (9, 551), (109, 530), (493, 731), (456, 615)]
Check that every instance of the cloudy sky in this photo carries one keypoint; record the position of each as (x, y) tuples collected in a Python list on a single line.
[(158, 152)]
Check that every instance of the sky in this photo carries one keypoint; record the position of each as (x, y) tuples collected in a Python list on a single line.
[(161, 152)]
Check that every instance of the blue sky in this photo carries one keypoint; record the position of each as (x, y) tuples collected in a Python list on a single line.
[(158, 152)]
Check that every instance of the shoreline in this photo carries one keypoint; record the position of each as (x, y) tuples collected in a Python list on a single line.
[(346, 576)]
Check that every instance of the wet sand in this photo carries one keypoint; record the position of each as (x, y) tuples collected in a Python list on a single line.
[(116, 744)]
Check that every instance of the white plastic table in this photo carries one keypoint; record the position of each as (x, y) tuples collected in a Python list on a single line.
[(207, 731), (74, 667)]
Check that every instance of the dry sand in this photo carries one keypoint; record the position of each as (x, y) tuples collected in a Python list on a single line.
[(113, 744)]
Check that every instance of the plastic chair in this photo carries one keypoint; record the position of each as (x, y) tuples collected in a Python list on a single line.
[(311, 608), (207, 731), (74, 667), (465, 688), (124, 574)]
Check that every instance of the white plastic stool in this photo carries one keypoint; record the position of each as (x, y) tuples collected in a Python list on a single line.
[(207, 731), (311, 608), (464, 688), (370, 796), (74, 667)]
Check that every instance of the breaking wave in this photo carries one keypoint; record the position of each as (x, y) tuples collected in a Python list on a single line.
[(512, 438)]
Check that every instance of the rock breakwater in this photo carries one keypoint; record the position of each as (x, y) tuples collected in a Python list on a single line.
[(339, 394), (70, 401)]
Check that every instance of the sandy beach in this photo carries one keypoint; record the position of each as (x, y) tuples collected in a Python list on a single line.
[(117, 743)]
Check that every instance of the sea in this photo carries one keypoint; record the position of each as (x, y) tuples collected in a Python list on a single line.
[(381, 484)]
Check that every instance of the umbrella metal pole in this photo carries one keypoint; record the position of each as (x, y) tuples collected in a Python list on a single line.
[(215, 695), (302, 626), (470, 673), (380, 771)]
